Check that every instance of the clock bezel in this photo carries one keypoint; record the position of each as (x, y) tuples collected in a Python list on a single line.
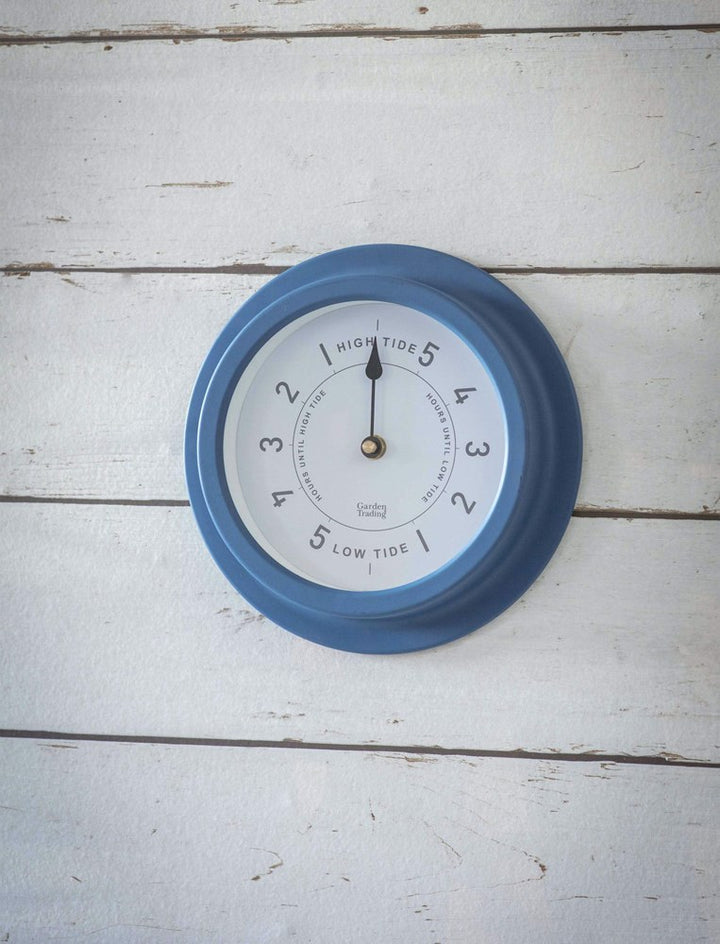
[(397, 601), (533, 506)]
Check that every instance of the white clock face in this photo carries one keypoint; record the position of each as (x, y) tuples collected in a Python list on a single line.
[(365, 446)]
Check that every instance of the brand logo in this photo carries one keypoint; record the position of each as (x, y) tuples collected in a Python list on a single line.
[(371, 510)]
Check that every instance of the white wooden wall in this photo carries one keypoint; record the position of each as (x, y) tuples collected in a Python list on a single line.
[(172, 766)]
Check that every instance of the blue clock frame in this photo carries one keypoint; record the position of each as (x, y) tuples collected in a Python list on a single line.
[(539, 488)]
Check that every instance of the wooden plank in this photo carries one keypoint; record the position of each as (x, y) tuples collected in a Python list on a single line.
[(98, 371), (115, 620), (83, 18), (139, 843), (582, 150)]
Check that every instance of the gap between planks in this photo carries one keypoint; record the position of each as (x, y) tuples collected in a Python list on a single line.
[(238, 34), (39, 268), (580, 512), (649, 760)]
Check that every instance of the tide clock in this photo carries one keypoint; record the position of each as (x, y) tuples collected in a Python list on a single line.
[(383, 449)]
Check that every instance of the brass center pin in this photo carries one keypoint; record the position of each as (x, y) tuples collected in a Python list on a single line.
[(373, 447)]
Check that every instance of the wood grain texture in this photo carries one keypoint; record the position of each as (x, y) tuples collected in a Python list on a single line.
[(588, 150), (98, 371), (212, 845), (177, 134), (115, 620), (82, 18)]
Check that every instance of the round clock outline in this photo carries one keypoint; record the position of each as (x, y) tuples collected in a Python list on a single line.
[(398, 602), (536, 497)]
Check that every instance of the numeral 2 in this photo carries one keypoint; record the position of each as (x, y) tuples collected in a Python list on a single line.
[(459, 497), (292, 397)]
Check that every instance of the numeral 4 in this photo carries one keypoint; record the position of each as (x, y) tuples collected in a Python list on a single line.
[(280, 498), (463, 393)]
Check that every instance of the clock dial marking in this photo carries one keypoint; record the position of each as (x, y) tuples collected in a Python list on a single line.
[(459, 497), (283, 385), (273, 444), (482, 451), (428, 354), (462, 394)]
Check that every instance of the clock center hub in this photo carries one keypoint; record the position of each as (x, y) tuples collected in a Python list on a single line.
[(373, 447)]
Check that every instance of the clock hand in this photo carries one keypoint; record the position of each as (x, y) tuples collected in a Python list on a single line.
[(373, 372), (373, 447)]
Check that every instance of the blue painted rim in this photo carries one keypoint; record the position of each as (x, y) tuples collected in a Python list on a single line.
[(540, 485), (354, 605)]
